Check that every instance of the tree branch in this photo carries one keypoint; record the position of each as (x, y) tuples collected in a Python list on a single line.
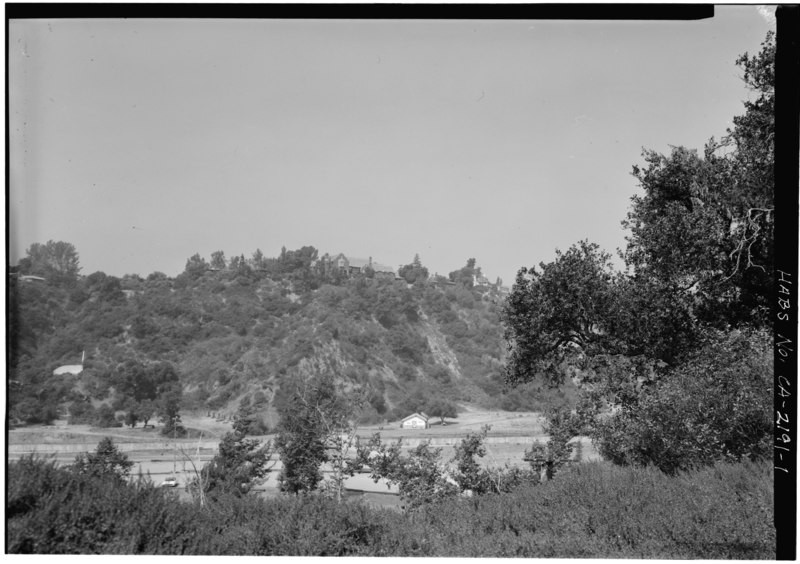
[(749, 236)]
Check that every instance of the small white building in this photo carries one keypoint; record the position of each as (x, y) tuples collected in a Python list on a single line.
[(74, 369), (415, 421)]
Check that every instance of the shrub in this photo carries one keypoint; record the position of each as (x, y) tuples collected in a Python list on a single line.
[(441, 374), (107, 461), (406, 344), (716, 406), (593, 510), (405, 372), (81, 413), (55, 511), (106, 417), (32, 411), (599, 510)]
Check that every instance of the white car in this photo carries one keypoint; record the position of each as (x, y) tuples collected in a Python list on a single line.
[(171, 482)]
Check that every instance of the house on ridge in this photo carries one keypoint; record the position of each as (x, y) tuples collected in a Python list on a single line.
[(354, 265)]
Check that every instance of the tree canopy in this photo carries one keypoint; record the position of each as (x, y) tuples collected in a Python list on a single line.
[(465, 276), (54, 260), (698, 261), (414, 271), (442, 409), (106, 461), (311, 412), (239, 464), (705, 224)]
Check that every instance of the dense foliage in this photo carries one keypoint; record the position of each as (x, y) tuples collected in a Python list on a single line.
[(423, 478), (240, 464), (54, 260), (105, 462), (593, 510), (673, 353), (715, 406), (311, 415), (228, 334)]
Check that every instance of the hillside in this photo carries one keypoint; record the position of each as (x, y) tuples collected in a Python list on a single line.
[(226, 335)]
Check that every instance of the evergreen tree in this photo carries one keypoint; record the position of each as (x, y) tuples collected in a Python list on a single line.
[(239, 464), (106, 461)]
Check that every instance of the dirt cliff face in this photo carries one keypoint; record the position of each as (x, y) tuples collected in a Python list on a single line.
[(441, 352)]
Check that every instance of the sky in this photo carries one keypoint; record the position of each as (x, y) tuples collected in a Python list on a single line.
[(143, 142)]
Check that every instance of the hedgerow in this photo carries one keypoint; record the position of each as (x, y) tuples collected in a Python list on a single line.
[(591, 510), (599, 510)]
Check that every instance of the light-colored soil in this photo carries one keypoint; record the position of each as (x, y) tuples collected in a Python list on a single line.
[(470, 420), (62, 433), (209, 426)]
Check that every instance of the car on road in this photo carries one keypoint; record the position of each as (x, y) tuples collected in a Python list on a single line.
[(171, 482)]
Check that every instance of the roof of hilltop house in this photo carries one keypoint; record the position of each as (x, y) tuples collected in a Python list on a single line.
[(421, 415), (378, 267), (356, 262)]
